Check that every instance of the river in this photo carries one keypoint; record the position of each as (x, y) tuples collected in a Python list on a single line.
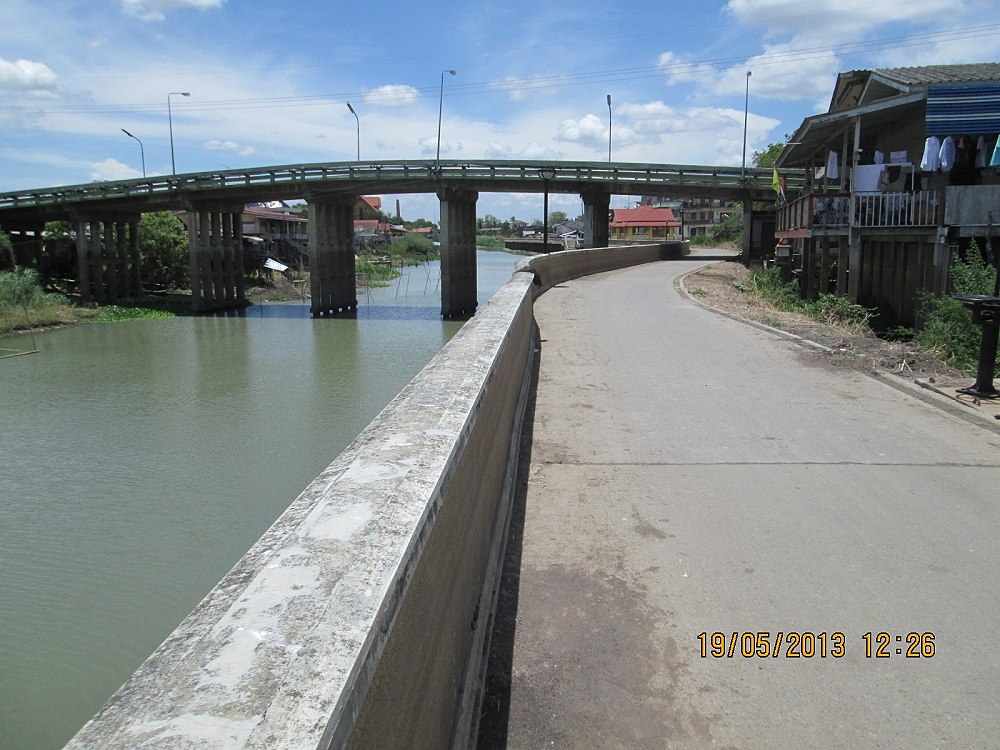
[(141, 460)]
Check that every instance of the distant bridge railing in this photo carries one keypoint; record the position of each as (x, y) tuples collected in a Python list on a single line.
[(299, 180)]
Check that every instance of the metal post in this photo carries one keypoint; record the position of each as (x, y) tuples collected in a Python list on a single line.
[(546, 173), (142, 151), (437, 160), (609, 128), (359, 128), (746, 113), (170, 120)]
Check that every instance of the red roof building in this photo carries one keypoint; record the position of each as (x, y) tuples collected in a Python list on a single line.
[(644, 223)]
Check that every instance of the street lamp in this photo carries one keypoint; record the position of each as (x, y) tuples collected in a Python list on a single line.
[(746, 112), (359, 128), (142, 151), (170, 120), (546, 173), (609, 127), (440, 110)]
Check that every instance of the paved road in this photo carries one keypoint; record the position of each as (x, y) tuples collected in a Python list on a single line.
[(691, 474)]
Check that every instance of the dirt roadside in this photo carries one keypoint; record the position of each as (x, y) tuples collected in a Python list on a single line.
[(718, 286)]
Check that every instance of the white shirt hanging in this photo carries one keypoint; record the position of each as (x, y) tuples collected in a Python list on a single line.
[(947, 154), (932, 155), (982, 153), (833, 165)]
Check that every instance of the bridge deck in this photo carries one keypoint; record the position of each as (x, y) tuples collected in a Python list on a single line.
[(689, 474), (301, 180)]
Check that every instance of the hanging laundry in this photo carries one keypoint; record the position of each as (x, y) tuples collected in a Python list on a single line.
[(833, 165), (995, 161), (932, 155), (982, 153), (947, 156), (880, 157)]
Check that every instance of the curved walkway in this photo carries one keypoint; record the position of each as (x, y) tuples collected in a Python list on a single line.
[(691, 474)]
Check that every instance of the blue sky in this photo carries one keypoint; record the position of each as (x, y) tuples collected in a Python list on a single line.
[(269, 81)]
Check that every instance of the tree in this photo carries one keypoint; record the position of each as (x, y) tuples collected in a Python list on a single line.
[(769, 155), (163, 251), (557, 217)]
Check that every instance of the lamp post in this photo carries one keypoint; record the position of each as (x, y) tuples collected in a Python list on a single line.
[(437, 161), (170, 120), (546, 173), (359, 128), (142, 151), (746, 112), (609, 127)]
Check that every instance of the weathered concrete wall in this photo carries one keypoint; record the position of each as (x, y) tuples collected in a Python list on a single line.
[(359, 619), (553, 269)]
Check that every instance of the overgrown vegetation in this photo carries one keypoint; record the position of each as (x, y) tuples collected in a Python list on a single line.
[(948, 331), (163, 251), (489, 241), (827, 308)]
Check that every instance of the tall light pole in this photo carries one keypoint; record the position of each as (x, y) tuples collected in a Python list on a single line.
[(437, 161), (142, 151), (746, 112), (609, 127), (170, 119), (546, 173), (359, 128)]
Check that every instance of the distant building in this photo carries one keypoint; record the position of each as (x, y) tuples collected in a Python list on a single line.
[(699, 215), (644, 224)]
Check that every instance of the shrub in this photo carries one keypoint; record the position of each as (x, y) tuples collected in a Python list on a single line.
[(948, 331), (163, 251), (20, 289), (830, 308), (769, 284)]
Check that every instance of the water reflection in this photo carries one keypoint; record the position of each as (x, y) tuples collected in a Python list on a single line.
[(140, 460)]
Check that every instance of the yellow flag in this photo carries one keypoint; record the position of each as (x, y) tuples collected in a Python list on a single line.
[(776, 182)]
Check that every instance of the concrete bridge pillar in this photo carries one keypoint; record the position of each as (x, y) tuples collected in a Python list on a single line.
[(331, 254), (107, 251), (215, 244), (597, 225), (458, 252)]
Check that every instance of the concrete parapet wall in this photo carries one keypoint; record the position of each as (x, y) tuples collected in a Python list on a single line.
[(553, 269), (360, 619)]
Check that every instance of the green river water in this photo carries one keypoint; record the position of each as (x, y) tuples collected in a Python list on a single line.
[(139, 461)]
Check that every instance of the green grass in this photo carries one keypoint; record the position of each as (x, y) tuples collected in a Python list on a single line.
[(117, 314)]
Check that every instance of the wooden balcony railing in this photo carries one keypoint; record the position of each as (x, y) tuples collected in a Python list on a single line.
[(833, 211)]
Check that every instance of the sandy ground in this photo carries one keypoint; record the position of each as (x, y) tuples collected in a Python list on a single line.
[(718, 286)]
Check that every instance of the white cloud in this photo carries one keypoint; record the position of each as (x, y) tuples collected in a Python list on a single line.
[(521, 88), (231, 146), (155, 10), (112, 169), (26, 75), (589, 130), (835, 20), (392, 95)]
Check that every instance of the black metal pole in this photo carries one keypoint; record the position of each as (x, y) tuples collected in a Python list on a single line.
[(545, 219)]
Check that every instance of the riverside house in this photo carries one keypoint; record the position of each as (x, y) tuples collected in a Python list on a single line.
[(901, 173)]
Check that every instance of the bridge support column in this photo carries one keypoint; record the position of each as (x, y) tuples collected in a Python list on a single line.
[(215, 245), (458, 252), (331, 254), (596, 222), (107, 251)]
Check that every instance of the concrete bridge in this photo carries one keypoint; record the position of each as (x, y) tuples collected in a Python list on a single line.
[(107, 216)]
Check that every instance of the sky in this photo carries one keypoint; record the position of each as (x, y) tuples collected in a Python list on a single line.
[(269, 82)]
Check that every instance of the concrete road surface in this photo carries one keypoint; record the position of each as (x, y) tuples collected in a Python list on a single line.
[(690, 474)]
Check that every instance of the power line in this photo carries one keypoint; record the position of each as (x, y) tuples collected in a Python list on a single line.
[(402, 93)]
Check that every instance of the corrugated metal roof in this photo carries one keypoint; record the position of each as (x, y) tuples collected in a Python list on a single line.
[(963, 109), (932, 74)]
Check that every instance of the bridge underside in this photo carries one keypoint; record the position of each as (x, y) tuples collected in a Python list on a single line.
[(107, 216)]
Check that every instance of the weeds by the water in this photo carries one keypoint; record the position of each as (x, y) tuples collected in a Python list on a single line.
[(116, 314)]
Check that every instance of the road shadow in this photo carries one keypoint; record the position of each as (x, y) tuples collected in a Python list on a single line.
[(495, 709)]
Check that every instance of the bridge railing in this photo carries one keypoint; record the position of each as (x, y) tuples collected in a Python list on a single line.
[(402, 176)]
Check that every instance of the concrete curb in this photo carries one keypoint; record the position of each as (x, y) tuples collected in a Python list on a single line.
[(917, 388)]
